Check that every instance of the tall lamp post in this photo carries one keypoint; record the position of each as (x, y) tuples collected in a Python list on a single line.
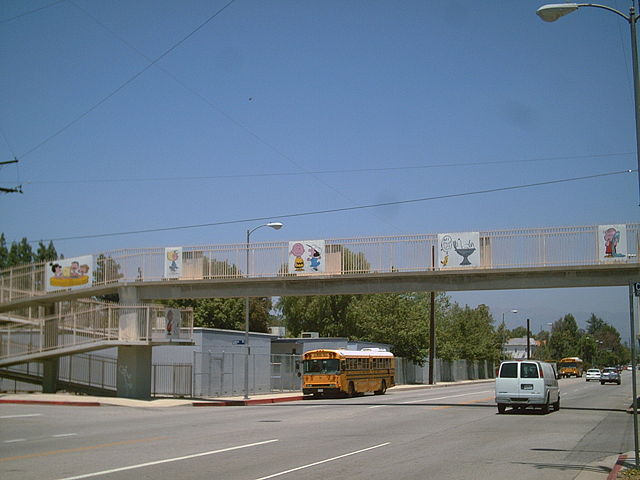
[(275, 226), (512, 311), (552, 12)]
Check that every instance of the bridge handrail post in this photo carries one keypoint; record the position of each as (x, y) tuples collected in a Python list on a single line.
[(109, 322), (42, 333), (148, 326)]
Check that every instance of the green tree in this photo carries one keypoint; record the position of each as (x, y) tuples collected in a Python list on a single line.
[(564, 338), (518, 332), (610, 350), (227, 313), (588, 349), (469, 334), (326, 314), (20, 253), (4, 253), (45, 253), (594, 324), (401, 320)]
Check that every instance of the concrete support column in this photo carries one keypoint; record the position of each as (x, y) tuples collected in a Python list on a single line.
[(134, 372), (134, 361)]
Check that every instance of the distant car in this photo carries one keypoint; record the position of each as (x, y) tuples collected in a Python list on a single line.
[(609, 374), (593, 374), (629, 367)]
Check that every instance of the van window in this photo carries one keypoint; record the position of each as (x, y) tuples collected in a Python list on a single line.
[(529, 370), (509, 370)]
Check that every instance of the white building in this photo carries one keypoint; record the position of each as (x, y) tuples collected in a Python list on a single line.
[(516, 348)]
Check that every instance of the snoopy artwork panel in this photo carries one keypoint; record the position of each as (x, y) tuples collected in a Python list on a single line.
[(307, 256), (69, 273), (457, 250), (612, 243), (172, 323), (173, 262)]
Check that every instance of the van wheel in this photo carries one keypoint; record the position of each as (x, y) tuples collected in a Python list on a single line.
[(545, 407), (501, 408), (556, 405), (383, 388)]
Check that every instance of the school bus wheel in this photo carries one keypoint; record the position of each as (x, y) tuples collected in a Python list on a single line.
[(383, 388), (352, 390)]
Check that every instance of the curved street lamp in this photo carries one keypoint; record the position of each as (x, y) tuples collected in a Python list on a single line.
[(552, 12), (275, 226)]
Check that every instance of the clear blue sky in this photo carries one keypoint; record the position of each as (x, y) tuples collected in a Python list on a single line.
[(127, 116)]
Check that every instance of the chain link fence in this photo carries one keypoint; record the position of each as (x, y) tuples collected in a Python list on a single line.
[(221, 374)]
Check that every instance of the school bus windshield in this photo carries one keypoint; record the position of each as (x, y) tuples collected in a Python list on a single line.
[(568, 364), (326, 366)]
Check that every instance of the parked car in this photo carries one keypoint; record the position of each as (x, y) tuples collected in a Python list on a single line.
[(529, 383), (593, 374), (609, 374)]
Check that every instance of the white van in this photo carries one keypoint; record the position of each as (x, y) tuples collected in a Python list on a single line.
[(527, 383)]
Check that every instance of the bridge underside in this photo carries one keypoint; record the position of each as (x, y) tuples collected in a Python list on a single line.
[(605, 275)]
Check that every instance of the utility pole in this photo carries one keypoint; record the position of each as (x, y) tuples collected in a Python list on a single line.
[(528, 341), (432, 326), (17, 189)]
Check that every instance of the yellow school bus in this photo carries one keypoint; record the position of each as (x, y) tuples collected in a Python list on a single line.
[(347, 372), (570, 366)]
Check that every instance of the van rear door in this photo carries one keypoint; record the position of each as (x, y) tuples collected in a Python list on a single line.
[(508, 383), (531, 385)]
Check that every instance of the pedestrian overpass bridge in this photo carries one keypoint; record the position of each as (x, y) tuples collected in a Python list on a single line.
[(38, 322)]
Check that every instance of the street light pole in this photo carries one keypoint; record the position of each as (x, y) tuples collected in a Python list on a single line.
[(275, 226), (552, 12)]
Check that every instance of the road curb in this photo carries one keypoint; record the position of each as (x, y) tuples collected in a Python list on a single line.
[(53, 402), (250, 401), (613, 474)]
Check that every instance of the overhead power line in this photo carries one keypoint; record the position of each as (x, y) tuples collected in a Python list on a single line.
[(129, 81), (30, 11), (322, 172), (339, 210)]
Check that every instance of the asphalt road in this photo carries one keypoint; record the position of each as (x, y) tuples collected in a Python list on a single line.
[(444, 433)]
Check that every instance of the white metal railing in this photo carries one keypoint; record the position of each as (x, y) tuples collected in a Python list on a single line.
[(96, 371), (79, 324), (540, 247)]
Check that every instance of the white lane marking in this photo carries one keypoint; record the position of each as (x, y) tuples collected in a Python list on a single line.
[(60, 435), (322, 461), (433, 399), (21, 416), (168, 460), (16, 440)]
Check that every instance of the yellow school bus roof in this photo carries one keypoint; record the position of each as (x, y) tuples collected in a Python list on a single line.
[(364, 353)]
